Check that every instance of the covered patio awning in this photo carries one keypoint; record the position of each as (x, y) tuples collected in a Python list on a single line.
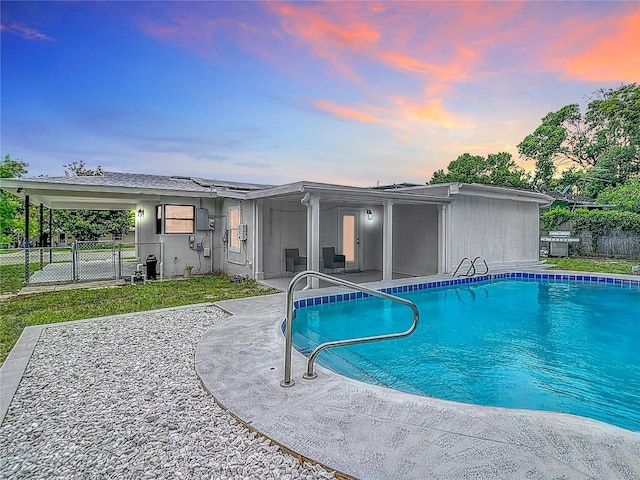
[(311, 194)]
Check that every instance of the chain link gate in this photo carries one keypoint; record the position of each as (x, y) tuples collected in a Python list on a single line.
[(94, 260), (83, 261)]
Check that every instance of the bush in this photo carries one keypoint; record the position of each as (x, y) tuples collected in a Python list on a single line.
[(598, 222)]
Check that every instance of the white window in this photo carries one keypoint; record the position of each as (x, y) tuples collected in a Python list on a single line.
[(234, 222), (179, 218)]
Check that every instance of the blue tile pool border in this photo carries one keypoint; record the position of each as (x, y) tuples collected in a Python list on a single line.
[(563, 277)]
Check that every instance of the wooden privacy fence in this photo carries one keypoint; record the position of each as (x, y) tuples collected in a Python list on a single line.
[(616, 243)]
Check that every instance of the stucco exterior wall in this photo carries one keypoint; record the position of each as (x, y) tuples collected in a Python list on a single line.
[(415, 239), (328, 228), (370, 233), (284, 226), (371, 239), (177, 252), (236, 262), (502, 231)]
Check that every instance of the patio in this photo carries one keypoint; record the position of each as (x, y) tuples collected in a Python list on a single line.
[(369, 431)]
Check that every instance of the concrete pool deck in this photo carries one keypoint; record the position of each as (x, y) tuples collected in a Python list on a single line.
[(372, 432)]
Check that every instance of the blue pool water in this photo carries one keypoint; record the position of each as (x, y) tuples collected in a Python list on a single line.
[(570, 347)]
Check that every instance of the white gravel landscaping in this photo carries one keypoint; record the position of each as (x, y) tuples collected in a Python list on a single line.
[(119, 398)]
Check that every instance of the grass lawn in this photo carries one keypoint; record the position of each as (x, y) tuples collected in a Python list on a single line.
[(61, 306), (604, 265), (11, 278)]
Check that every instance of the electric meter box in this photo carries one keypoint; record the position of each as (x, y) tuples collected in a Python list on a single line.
[(202, 219)]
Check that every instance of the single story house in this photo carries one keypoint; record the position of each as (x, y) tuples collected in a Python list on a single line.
[(244, 229)]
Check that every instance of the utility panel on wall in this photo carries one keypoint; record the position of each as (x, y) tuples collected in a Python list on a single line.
[(243, 232), (202, 219)]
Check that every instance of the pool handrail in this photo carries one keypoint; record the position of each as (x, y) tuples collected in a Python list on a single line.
[(471, 267), (287, 380)]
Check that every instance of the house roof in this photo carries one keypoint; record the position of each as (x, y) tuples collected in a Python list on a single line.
[(140, 180), (486, 191), (123, 191), (348, 194), (117, 190)]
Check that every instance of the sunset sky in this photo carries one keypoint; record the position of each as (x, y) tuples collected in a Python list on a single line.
[(275, 92)]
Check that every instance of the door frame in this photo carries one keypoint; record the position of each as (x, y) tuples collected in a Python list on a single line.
[(356, 265)]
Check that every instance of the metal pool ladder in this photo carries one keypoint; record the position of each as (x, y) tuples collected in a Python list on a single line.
[(287, 381), (471, 271)]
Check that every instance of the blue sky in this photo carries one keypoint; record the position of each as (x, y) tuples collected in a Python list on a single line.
[(275, 92)]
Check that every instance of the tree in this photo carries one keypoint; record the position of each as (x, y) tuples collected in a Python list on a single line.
[(543, 174), (11, 208), (466, 168), (12, 168), (496, 169), (604, 143), (625, 197), (90, 224), (503, 171), (79, 169)]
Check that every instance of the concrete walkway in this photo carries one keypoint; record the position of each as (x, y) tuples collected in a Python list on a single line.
[(372, 432)]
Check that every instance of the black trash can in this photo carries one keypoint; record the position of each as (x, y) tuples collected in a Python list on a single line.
[(151, 264)]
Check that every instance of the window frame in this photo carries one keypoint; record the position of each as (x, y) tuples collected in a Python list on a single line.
[(166, 217), (234, 229), (159, 217)]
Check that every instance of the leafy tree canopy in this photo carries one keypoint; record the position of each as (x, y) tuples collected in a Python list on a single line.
[(12, 168), (496, 169), (10, 206), (625, 196), (90, 224), (603, 143)]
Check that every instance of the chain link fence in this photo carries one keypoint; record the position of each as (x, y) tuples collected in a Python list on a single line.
[(81, 262)]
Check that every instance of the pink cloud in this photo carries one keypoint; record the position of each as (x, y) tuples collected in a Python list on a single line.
[(430, 111), (401, 114), (347, 112), (436, 42), (331, 32), (602, 50), (25, 32)]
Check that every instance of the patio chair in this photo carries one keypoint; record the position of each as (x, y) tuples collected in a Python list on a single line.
[(332, 260), (294, 262)]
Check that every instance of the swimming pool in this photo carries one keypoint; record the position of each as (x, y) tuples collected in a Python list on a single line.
[(544, 342)]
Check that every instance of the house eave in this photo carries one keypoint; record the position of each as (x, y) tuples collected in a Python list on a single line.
[(61, 195), (487, 191), (342, 193)]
